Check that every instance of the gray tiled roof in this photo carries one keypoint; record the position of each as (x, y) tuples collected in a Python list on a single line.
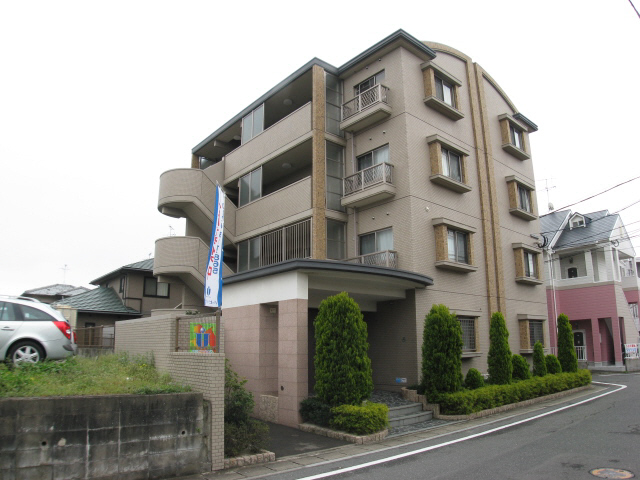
[(551, 222), (56, 289), (598, 228), (103, 300), (142, 265), (146, 265)]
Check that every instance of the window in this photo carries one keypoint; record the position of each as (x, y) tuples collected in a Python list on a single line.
[(374, 157), (335, 173), (250, 187), (368, 83), (154, 288), (376, 242), (9, 312), (536, 332), (445, 91), (249, 254), (253, 124), (524, 198), (530, 265), (514, 140), (451, 165), (457, 246), (572, 272), (516, 137), (454, 245), (336, 240), (123, 280), (577, 221), (634, 309), (333, 103), (468, 326)]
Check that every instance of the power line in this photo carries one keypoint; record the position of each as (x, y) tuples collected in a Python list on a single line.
[(634, 7), (597, 194)]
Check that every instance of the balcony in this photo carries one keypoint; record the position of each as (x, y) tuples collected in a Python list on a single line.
[(386, 258), (365, 109), (370, 185), (189, 192), (275, 140), (182, 257)]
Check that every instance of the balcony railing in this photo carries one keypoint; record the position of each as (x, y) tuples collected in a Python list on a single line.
[(581, 353), (376, 94), (381, 173), (386, 258)]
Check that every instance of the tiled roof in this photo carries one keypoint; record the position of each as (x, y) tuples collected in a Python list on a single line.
[(551, 222), (146, 265), (56, 289), (103, 300), (598, 228), (142, 265)]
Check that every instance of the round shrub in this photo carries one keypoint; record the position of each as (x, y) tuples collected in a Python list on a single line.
[(520, 367), (553, 364), (343, 367), (499, 359), (313, 410), (441, 352), (566, 350), (362, 419), (539, 364), (474, 379)]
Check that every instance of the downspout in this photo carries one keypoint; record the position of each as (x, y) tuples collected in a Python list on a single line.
[(550, 252), (355, 209)]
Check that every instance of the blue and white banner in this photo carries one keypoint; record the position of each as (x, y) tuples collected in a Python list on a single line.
[(213, 275)]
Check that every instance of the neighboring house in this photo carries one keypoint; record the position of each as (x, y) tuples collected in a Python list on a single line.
[(403, 177), (52, 293), (593, 279), (128, 292)]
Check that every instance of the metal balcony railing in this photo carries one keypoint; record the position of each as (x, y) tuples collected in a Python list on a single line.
[(381, 173), (386, 258), (376, 94), (581, 353)]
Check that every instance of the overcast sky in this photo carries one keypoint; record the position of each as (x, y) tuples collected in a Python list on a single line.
[(99, 98)]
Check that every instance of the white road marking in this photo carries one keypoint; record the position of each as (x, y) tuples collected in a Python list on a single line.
[(469, 437)]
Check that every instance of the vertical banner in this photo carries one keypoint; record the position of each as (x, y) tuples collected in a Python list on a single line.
[(213, 275)]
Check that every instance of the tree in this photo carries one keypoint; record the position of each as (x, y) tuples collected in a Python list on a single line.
[(499, 359), (566, 350), (343, 368), (553, 365), (441, 352), (520, 368), (539, 363)]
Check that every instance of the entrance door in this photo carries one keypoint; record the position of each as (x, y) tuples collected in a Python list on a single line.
[(579, 343)]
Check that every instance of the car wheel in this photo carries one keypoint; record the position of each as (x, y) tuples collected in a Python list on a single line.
[(25, 352)]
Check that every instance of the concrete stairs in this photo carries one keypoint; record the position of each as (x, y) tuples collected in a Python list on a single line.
[(408, 415)]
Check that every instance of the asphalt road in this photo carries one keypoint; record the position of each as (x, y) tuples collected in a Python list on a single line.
[(566, 444)]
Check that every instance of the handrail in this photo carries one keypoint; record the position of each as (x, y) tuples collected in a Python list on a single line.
[(380, 173), (384, 258), (376, 94)]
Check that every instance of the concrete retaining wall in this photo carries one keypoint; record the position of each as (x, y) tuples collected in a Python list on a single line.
[(105, 437)]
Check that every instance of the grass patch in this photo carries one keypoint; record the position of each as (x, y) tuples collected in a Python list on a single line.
[(105, 375)]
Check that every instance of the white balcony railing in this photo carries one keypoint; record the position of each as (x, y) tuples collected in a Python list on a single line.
[(581, 353), (381, 173), (376, 94), (386, 258)]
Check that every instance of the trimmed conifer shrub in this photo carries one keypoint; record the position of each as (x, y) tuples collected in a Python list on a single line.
[(553, 364), (441, 352), (474, 379), (539, 364), (520, 368), (343, 368), (499, 358), (566, 350)]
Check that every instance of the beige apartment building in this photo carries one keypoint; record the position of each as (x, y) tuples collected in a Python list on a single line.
[(403, 177)]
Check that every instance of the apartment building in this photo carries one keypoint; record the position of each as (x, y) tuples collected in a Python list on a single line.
[(593, 279), (403, 177)]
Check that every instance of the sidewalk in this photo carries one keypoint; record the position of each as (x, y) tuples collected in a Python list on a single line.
[(327, 455)]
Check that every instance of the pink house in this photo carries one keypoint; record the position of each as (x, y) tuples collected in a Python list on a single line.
[(592, 277)]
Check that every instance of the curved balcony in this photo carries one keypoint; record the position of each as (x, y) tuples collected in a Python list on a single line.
[(189, 192), (182, 257)]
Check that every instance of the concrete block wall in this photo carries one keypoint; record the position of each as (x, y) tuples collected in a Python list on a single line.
[(105, 437)]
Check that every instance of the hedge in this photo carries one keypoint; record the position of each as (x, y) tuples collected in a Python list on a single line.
[(493, 396), (313, 410), (362, 419)]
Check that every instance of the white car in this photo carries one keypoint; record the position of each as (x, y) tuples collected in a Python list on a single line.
[(31, 331)]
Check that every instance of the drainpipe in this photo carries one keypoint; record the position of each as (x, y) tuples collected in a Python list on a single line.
[(355, 209), (550, 252)]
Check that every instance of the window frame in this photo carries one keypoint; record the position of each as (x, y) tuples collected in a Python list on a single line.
[(447, 171), (373, 157), (249, 175), (438, 145), (532, 330), (433, 73), (253, 132), (458, 235), (514, 137), (376, 245), (251, 244), (530, 264), (342, 243), (144, 288), (441, 85), (442, 227), (473, 323), (523, 254), (516, 187), (377, 79)]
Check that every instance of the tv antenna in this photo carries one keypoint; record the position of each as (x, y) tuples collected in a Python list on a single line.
[(64, 275), (547, 188)]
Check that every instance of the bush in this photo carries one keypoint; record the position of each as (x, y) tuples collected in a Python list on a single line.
[(313, 410), (566, 350), (249, 437), (520, 367), (441, 352), (343, 368), (474, 379), (360, 419), (553, 364), (499, 359), (242, 434), (493, 396), (539, 364)]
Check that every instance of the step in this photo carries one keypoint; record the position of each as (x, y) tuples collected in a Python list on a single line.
[(401, 411), (411, 419)]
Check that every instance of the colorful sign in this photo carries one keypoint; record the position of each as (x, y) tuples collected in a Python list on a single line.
[(213, 275), (202, 337), (631, 350)]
